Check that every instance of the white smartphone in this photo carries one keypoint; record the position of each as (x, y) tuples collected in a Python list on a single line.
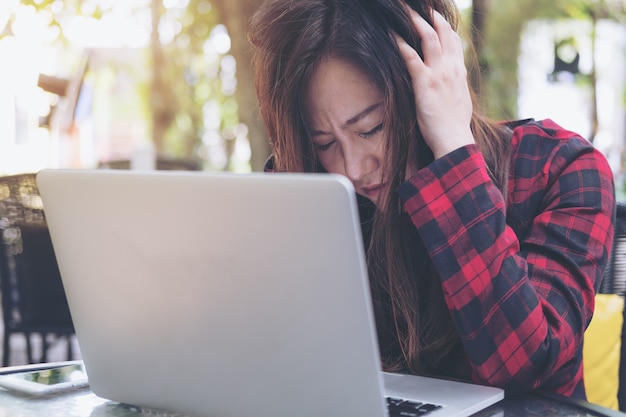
[(46, 381)]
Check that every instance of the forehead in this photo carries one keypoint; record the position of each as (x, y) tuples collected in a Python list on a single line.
[(339, 89)]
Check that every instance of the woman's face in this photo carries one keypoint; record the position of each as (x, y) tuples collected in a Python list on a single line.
[(345, 113)]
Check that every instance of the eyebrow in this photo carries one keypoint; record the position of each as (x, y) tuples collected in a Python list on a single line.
[(353, 119)]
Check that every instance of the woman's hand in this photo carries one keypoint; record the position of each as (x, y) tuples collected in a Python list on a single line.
[(442, 97)]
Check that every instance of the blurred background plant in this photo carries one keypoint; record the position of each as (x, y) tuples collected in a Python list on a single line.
[(133, 76)]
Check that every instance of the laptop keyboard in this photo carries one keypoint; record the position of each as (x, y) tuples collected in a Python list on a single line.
[(402, 408)]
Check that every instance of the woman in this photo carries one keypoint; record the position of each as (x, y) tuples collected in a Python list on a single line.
[(485, 241)]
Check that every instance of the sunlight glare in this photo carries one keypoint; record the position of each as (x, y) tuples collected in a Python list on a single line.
[(219, 41), (463, 4), (7, 8), (175, 4)]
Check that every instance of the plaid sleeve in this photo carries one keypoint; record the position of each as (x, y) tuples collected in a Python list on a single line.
[(519, 278)]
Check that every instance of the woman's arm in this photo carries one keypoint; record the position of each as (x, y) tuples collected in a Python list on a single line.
[(521, 299)]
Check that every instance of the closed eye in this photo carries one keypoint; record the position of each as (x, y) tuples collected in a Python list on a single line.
[(372, 132), (324, 146)]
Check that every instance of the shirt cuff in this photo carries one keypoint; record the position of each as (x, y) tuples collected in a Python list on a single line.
[(450, 177)]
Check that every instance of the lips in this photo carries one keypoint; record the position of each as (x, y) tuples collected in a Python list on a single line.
[(373, 191)]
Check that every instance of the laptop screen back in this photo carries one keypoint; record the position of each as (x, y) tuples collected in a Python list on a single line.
[(217, 294)]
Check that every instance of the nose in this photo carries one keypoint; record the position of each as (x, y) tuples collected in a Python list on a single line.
[(355, 163)]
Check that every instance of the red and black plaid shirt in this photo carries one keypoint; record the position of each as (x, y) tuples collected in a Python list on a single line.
[(520, 275)]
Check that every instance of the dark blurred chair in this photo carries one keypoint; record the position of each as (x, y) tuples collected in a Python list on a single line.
[(33, 298), (615, 276)]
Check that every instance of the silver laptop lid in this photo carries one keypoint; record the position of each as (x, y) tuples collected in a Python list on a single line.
[(217, 294)]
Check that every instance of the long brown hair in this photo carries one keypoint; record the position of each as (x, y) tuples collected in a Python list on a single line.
[(291, 37)]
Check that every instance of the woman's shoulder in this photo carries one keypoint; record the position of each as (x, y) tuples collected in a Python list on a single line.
[(544, 141), (548, 159), (545, 131)]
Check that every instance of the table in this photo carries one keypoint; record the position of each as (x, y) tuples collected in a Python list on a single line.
[(84, 403)]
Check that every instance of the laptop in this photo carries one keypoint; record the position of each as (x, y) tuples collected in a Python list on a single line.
[(216, 294)]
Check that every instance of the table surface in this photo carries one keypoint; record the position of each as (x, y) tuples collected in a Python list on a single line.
[(84, 403)]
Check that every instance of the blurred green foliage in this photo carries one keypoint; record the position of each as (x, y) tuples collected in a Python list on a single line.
[(505, 24), (186, 72)]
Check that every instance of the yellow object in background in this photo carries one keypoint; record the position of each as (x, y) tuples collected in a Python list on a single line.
[(601, 351)]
